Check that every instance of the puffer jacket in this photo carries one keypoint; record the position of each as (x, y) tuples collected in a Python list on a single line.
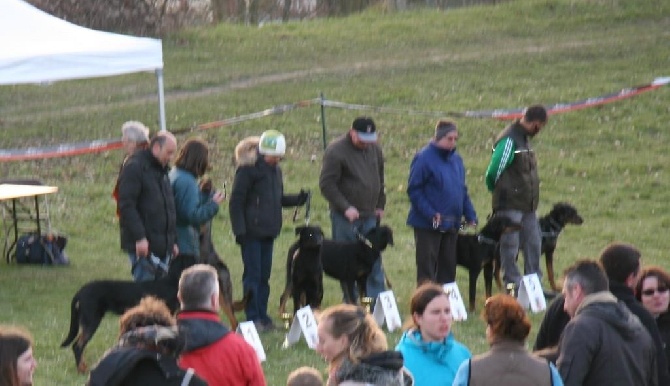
[(378, 369), (146, 204), (436, 184), (144, 356), (257, 196), (422, 358)]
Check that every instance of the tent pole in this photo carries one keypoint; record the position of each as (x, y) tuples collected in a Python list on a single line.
[(161, 98)]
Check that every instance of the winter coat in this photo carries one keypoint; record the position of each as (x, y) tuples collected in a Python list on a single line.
[(423, 358), (663, 323), (143, 356), (353, 177), (378, 369), (193, 209), (257, 197), (436, 184), (146, 204), (554, 321), (217, 355), (625, 294), (605, 344)]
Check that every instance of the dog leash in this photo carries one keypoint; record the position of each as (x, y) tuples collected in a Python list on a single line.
[(308, 205), (361, 237)]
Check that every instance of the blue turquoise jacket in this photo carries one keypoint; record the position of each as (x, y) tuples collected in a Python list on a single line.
[(432, 363), (193, 210), (436, 184)]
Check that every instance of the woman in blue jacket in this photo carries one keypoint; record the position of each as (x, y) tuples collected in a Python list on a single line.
[(428, 346), (439, 200), (193, 208)]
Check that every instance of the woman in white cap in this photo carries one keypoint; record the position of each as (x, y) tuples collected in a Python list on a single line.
[(255, 207)]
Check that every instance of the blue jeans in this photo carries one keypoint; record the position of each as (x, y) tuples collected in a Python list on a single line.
[(343, 230), (257, 259), (143, 269)]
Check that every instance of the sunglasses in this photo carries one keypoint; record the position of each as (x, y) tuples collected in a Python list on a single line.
[(650, 291)]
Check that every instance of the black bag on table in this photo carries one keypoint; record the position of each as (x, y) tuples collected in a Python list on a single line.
[(32, 248)]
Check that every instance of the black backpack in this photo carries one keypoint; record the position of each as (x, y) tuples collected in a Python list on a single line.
[(32, 248)]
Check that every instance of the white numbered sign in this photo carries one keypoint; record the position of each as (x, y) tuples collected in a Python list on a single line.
[(304, 323), (386, 308), (458, 311), (531, 295), (249, 333)]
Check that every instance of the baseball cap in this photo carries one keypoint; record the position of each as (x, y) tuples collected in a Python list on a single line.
[(365, 128)]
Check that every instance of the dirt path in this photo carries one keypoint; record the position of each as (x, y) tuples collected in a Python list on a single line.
[(348, 68)]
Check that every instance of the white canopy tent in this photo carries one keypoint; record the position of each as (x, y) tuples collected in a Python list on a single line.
[(36, 47)]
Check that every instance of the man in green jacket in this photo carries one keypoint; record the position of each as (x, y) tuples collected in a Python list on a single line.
[(512, 178)]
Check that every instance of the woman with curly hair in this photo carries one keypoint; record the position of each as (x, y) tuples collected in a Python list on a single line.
[(653, 291), (17, 363), (147, 351), (428, 344), (507, 363), (356, 349)]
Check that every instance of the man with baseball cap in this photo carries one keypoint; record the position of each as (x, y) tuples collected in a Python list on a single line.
[(352, 181)]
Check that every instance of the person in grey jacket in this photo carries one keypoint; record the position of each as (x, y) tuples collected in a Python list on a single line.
[(604, 343), (352, 181)]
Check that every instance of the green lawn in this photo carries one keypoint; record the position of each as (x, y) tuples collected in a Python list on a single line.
[(608, 161)]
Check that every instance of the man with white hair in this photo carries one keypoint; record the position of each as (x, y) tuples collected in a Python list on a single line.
[(217, 355), (134, 136)]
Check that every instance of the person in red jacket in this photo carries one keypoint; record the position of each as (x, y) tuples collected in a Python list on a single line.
[(218, 355)]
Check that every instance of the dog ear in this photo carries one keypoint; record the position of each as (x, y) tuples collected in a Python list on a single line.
[(298, 230), (390, 233)]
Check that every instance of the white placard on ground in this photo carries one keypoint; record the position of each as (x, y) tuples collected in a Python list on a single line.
[(386, 308), (249, 333), (304, 323), (530, 293), (458, 311)]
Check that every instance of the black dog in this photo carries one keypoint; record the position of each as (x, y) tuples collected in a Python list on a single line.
[(551, 226), (352, 261), (304, 271), (96, 298), (475, 252)]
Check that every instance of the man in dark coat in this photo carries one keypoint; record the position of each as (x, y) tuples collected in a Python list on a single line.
[(604, 343), (147, 210)]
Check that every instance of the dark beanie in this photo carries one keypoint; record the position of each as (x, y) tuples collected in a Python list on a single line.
[(442, 128)]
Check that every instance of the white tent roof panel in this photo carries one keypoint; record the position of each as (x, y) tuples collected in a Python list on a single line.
[(36, 47)]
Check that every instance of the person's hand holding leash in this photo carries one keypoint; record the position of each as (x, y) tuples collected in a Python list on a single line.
[(142, 248), (351, 214), (218, 197), (379, 213), (302, 197)]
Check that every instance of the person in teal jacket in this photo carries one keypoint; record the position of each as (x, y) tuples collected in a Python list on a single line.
[(192, 207), (428, 346)]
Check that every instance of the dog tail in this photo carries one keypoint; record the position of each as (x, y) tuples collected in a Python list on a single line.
[(74, 323), (240, 305)]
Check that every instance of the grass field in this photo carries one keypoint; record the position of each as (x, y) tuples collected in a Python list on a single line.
[(610, 161)]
